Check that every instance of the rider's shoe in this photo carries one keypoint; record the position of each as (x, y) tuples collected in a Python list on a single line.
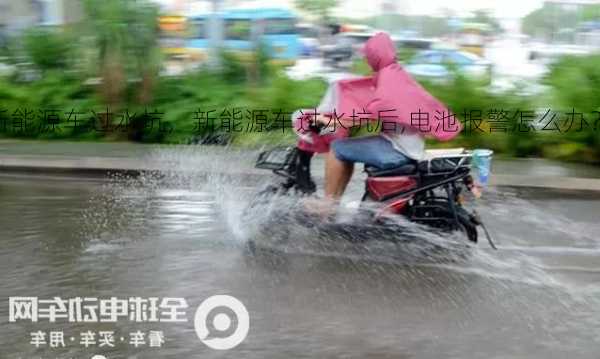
[(318, 208)]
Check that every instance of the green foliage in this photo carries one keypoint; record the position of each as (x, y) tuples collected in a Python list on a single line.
[(181, 101), (319, 8), (289, 95), (48, 48), (125, 33), (471, 101), (185, 100), (405, 54), (590, 12), (552, 20), (360, 67), (485, 17), (123, 36), (32, 104), (232, 67), (123, 25), (11, 47), (575, 83), (255, 68), (239, 29), (261, 64)]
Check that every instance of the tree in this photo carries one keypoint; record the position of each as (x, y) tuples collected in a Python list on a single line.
[(125, 33), (546, 21), (484, 17), (318, 8), (591, 12)]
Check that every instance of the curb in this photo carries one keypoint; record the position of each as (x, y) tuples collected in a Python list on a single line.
[(99, 167)]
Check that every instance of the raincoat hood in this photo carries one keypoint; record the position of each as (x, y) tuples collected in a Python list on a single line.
[(391, 92), (380, 51)]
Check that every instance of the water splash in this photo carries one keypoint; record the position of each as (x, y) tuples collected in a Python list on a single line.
[(199, 188)]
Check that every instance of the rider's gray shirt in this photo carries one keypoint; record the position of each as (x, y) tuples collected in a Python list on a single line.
[(407, 141), (404, 139)]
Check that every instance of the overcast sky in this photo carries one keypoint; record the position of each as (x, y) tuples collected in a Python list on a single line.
[(362, 8)]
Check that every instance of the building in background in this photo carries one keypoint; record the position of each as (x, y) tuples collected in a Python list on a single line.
[(16, 15)]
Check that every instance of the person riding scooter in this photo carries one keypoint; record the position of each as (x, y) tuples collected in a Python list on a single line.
[(407, 113), (428, 192)]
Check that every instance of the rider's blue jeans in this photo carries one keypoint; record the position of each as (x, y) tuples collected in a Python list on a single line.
[(371, 150)]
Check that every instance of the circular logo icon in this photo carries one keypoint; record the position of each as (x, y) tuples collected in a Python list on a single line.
[(222, 322)]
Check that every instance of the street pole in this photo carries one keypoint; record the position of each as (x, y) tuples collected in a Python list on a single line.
[(215, 30)]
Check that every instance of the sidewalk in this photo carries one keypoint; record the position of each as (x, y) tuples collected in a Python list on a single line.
[(93, 158)]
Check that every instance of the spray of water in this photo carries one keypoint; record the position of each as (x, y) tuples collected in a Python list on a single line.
[(200, 187)]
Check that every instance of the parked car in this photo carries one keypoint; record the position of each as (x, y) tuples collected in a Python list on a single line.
[(309, 39), (338, 50), (438, 64), (341, 45)]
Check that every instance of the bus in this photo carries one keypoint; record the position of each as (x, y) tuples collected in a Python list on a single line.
[(172, 34), (243, 29)]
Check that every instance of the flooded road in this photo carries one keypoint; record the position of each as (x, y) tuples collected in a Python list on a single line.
[(181, 236)]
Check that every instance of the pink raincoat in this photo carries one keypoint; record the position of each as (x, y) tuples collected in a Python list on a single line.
[(395, 95), (392, 94)]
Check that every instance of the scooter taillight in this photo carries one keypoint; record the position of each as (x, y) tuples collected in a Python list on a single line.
[(381, 188)]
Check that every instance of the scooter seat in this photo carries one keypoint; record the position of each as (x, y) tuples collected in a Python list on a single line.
[(441, 165), (404, 170)]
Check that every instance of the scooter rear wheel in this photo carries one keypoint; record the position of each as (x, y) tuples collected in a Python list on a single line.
[(426, 213)]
